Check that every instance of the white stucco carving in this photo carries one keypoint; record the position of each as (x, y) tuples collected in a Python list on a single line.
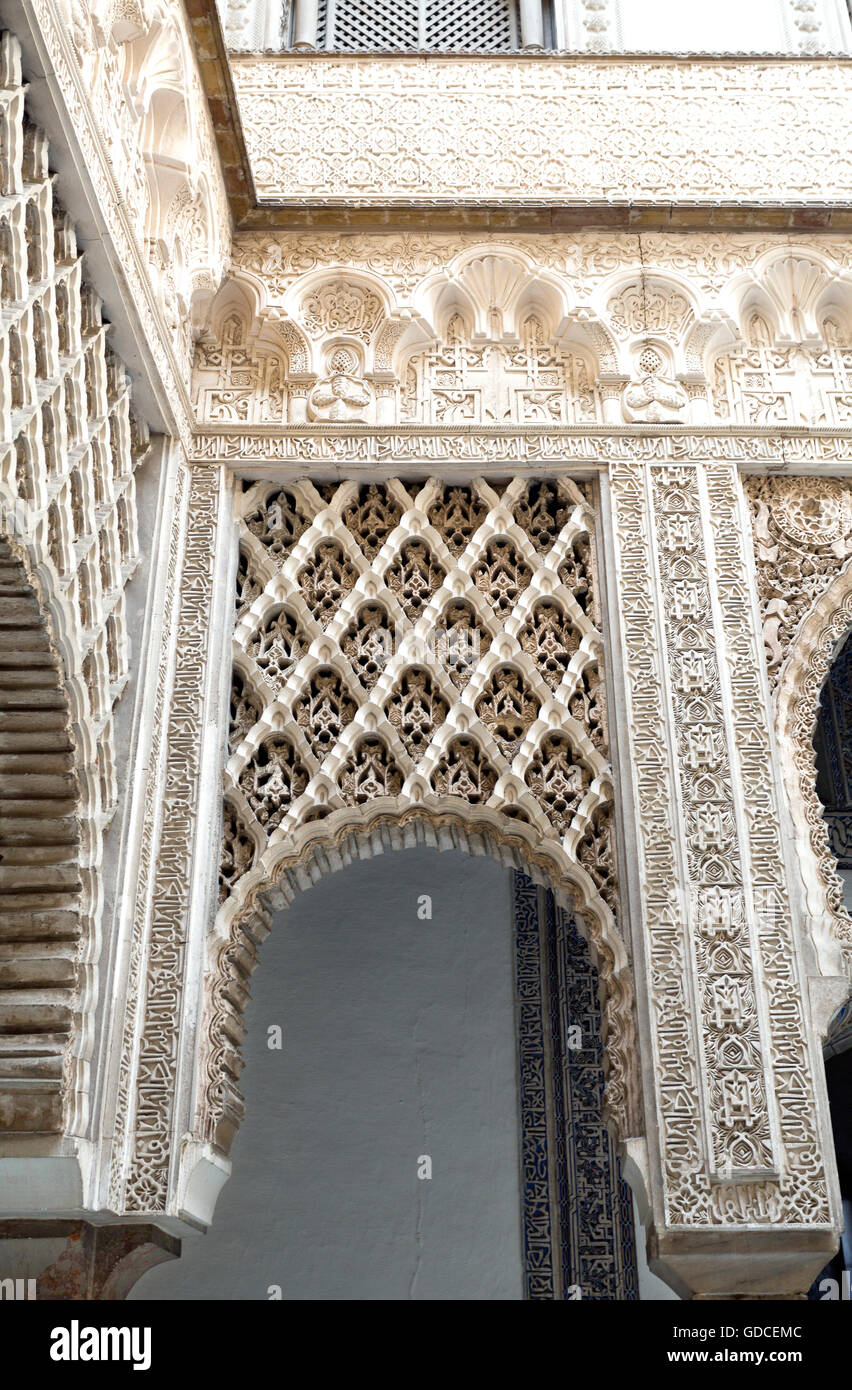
[(428, 651), (70, 446), (415, 437), (342, 128)]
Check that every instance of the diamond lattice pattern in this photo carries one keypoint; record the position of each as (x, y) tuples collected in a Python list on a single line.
[(457, 25)]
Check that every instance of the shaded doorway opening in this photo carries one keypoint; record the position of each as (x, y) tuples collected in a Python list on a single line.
[(423, 1087), (833, 746)]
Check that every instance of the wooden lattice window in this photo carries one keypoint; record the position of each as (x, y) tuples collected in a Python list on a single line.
[(452, 25)]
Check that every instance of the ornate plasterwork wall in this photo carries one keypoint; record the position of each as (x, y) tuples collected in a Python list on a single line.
[(69, 446), (415, 650), (338, 130), (736, 1137), (134, 109), (584, 329), (680, 537), (538, 361), (668, 363), (802, 530), (663, 362)]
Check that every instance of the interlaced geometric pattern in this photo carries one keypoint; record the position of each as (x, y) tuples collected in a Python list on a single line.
[(833, 742), (374, 24), (485, 25), (577, 1211), (762, 382), (466, 381), (454, 25), (413, 641)]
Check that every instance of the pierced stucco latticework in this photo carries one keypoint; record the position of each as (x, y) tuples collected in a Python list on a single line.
[(70, 448), (415, 652)]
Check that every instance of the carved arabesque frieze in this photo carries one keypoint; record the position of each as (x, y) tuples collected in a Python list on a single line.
[(588, 329), (729, 1070), (429, 648), (148, 1048), (802, 531), (585, 260), (519, 450), (783, 122)]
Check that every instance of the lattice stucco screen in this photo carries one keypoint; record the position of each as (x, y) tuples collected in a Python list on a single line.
[(455, 25)]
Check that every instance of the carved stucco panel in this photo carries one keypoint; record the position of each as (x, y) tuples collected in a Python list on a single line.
[(144, 1146), (707, 261), (802, 537), (589, 328), (698, 713), (457, 448), (783, 124), (428, 655), (823, 632), (171, 243)]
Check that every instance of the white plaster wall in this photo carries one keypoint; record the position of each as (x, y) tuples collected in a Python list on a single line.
[(725, 26), (398, 1041)]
